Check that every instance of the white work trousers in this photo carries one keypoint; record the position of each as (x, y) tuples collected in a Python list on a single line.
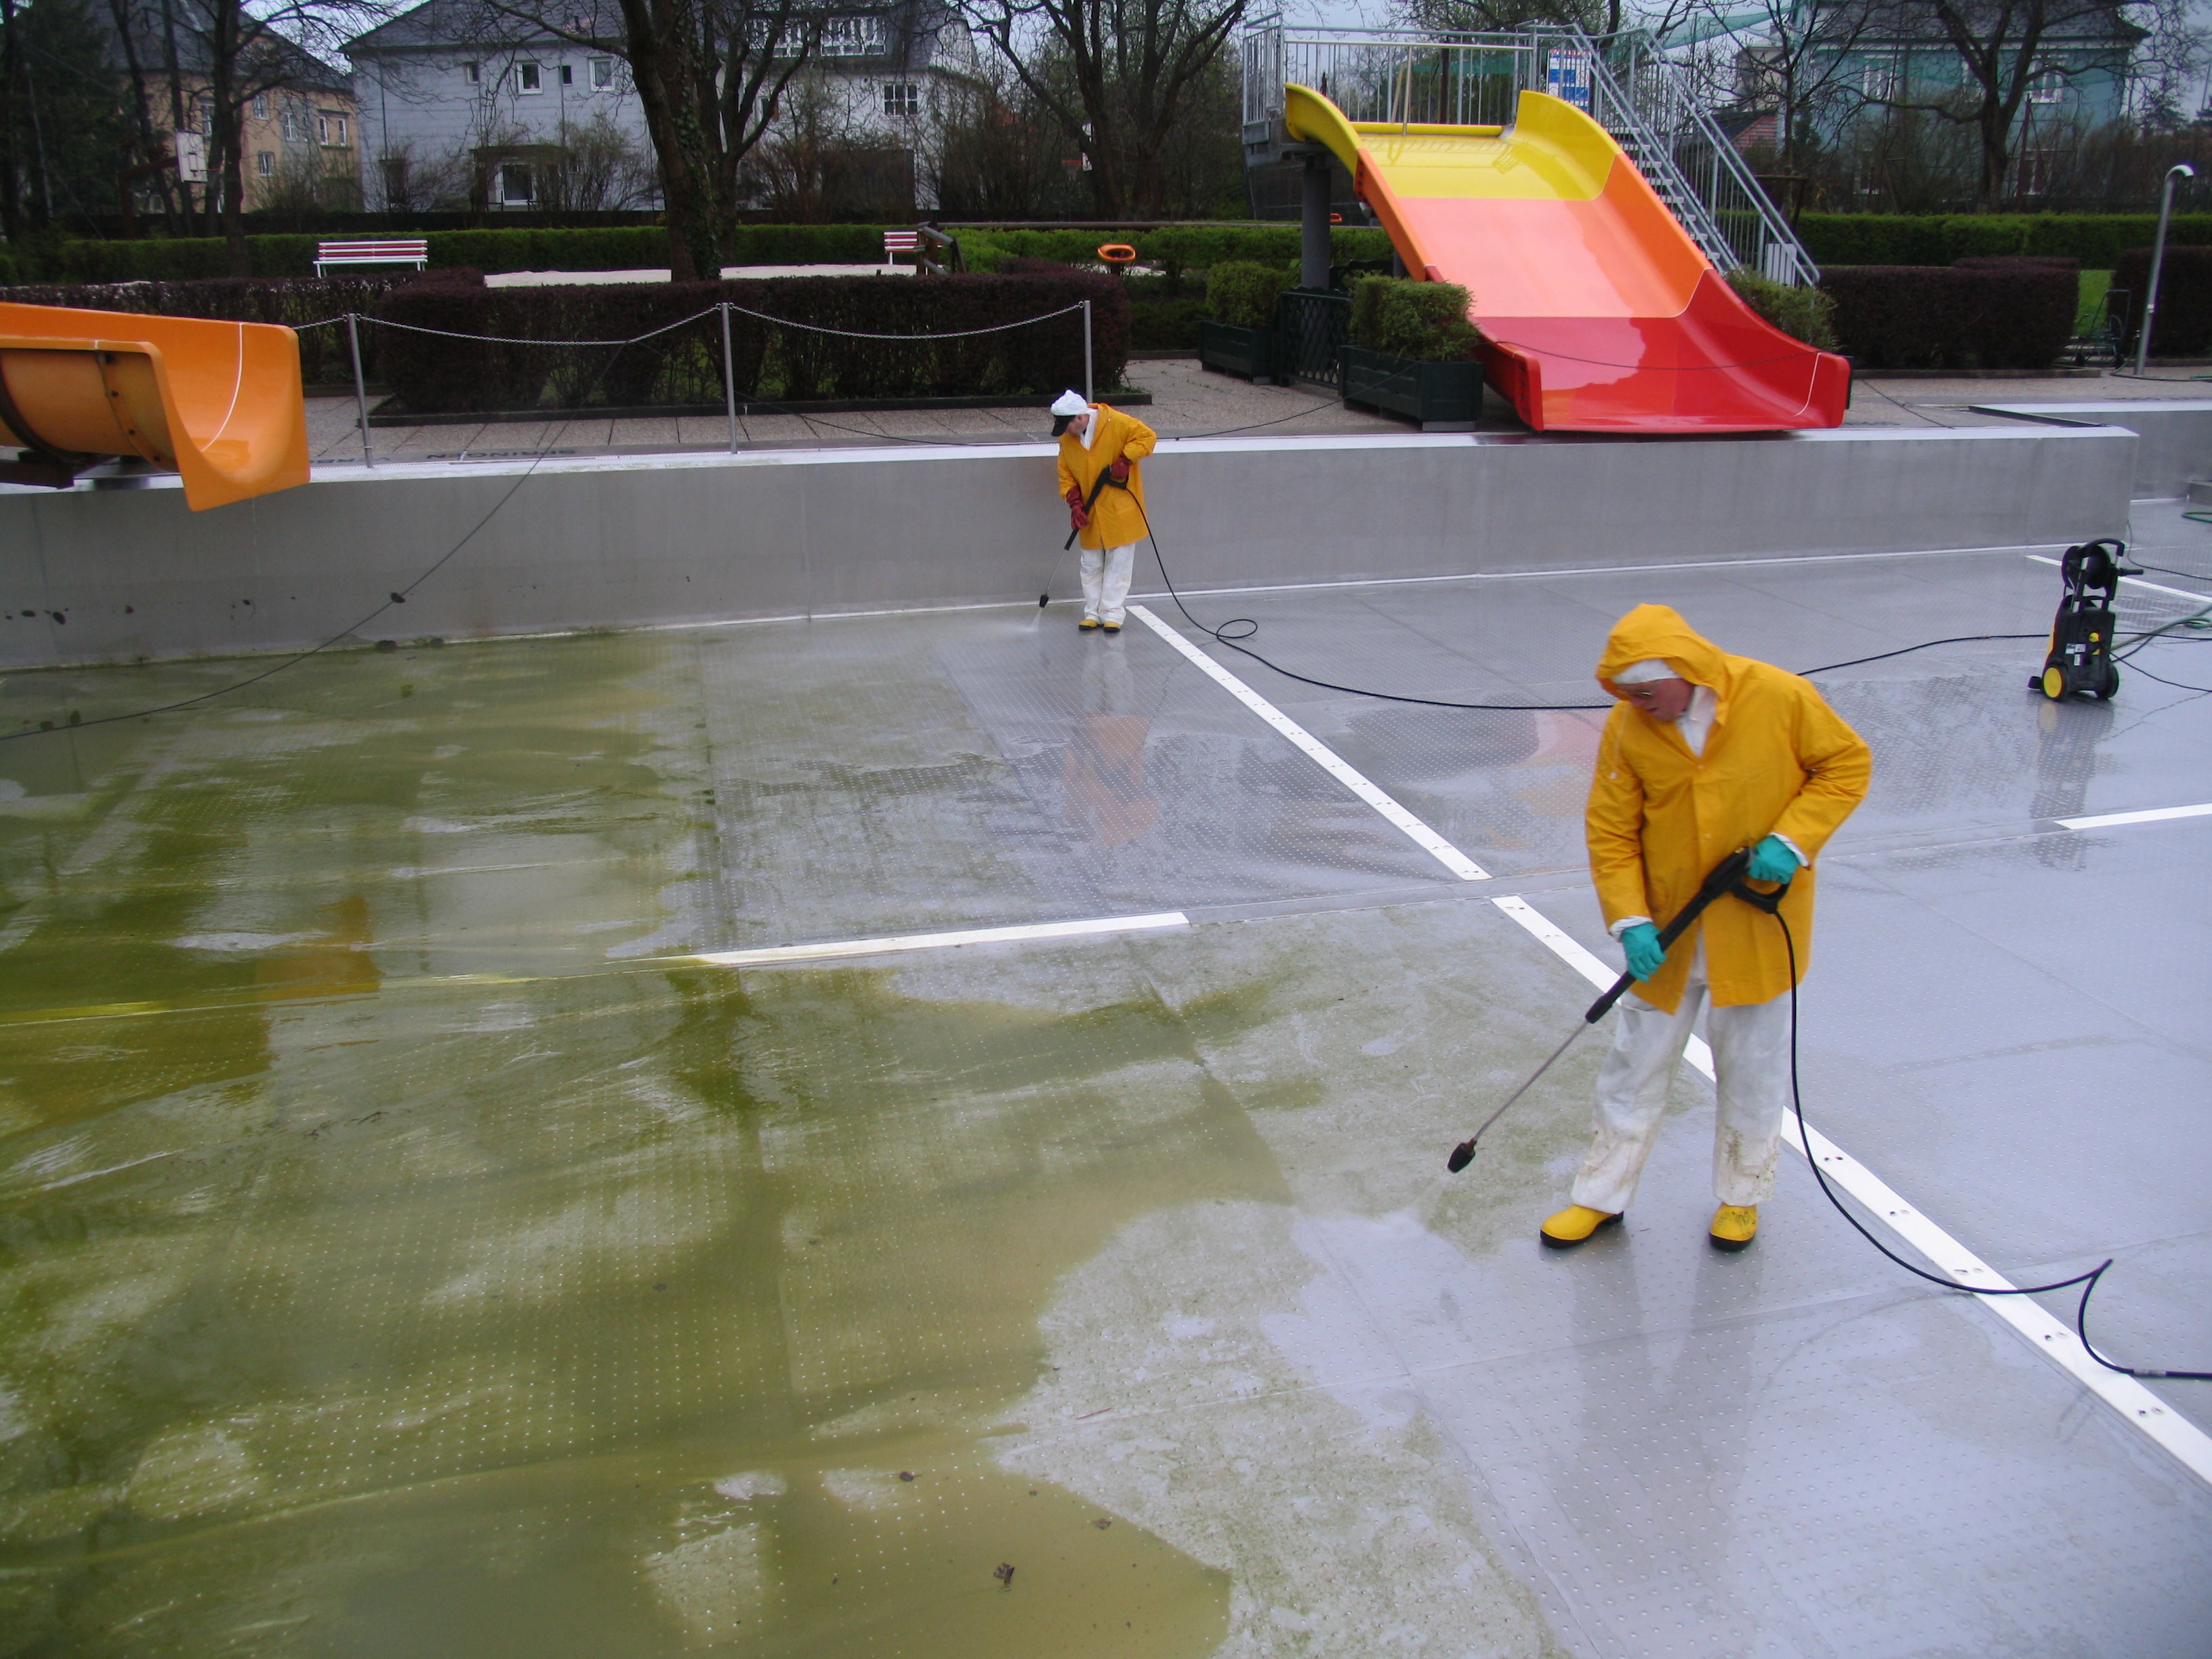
[(1751, 1067), (1106, 575)]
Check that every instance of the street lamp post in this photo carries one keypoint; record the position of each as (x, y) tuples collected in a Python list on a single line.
[(2179, 170)]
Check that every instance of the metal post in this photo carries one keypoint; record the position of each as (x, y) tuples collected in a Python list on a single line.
[(1313, 223), (360, 389), (1089, 396), (2179, 170), (729, 376)]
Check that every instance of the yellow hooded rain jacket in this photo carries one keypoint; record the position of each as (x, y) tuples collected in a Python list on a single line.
[(1779, 761), (1115, 520)]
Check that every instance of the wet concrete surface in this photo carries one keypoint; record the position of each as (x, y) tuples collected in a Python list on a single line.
[(410, 1250)]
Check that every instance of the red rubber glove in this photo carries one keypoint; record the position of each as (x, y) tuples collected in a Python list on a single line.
[(1077, 516), (1075, 497), (1120, 471)]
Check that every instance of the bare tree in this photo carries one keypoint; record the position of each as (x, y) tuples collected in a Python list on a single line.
[(221, 55), (710, 76), (2003, 49), (1801, 59), (1116, 74)]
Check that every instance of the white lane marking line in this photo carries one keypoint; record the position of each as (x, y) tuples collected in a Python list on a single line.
[(1564, 946), (2137, 581), (2154, 815), (1320, 754), (2048, 1335), (869, 947)]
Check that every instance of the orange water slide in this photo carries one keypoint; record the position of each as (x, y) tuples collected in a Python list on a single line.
[(217, 403), (1599, 313)]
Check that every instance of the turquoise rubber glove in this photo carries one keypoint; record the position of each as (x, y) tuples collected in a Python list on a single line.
[(1646, 953), (1772, 861)]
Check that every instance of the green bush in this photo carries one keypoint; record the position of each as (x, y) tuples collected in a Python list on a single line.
[(1802, 314), (1985, 313), (1426, 321), (1242, 292), (2097, 240)]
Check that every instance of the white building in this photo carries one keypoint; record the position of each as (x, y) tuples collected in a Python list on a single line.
[(458, 103)]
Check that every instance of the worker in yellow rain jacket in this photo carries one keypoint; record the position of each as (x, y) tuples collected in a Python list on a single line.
[(1704, 753), (1096, 438)]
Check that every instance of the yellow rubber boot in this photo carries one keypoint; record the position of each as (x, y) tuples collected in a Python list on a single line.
[(1573, 1225), (1735, 1225)]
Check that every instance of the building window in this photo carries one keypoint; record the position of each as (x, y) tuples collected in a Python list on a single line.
[(1881, 82), (527, 79), (294, 128), (518, 186), (2047, 87), (261, 107), (567, 75), (264, 162), (474, 72), (902, 98), (207, 115), (603, 75), (330, 130), (853, 37)]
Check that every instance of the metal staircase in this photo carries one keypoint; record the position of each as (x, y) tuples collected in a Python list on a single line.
[(1638, 96)]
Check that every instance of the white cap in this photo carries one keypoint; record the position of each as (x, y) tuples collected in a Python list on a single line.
[(1643, 674), (1068, 405)]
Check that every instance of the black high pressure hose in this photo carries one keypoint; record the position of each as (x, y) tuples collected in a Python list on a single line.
[(2088, 1281), (1250, 627)]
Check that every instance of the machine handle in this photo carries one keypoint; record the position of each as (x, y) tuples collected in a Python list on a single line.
[(1089, 501), (1726, 877)]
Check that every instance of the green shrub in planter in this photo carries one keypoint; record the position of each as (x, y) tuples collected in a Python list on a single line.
[(1242, 292), (1802, 314), (2184, 328), (1424, 321)]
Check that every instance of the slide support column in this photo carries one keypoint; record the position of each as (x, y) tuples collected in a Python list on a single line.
[(1313, 223)]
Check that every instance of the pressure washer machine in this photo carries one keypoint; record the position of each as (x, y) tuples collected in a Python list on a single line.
[(2080, 661)]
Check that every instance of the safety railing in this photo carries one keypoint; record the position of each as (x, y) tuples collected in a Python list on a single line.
[(1472, 79)]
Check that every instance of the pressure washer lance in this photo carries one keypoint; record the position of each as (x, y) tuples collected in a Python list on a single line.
[(1090, 501), (1726, 877)]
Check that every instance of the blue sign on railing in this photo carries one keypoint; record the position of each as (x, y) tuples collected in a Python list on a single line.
[(1567, 77)]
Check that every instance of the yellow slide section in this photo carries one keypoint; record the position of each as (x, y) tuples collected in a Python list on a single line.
[(217, 403), (1598, 311)]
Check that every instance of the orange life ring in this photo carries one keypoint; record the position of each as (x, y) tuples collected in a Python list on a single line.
[(1118, 253)]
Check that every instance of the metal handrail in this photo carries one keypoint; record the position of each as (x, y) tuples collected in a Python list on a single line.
[(1475, 78)]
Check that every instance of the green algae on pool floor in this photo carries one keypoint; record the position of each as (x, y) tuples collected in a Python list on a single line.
[(654, 1283), (408, 1251)]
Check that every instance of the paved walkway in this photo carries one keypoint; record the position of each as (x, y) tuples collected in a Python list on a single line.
[(1187, 402)]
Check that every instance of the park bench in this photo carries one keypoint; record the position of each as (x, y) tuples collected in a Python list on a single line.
[(414, 252), (896, 242)]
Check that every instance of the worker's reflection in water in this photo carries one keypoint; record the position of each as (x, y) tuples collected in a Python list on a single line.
[(1104, 775)]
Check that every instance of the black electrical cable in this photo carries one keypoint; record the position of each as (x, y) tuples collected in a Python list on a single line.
[(2088, 1281), (398, 596), (1221, 635)]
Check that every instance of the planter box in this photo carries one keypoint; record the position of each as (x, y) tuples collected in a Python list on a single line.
[(1247, 351), (1442, 397)]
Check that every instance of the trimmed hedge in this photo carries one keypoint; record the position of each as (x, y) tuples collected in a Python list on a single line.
[(1174, 248), (2097, 240), (537, 363), (326, 358), (626, 247), (2184, 328), (1979, 313), (1426, 321), (1242, 292), (1802, 314)]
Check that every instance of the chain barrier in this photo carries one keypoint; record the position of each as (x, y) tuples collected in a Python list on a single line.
[(724, 308)]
